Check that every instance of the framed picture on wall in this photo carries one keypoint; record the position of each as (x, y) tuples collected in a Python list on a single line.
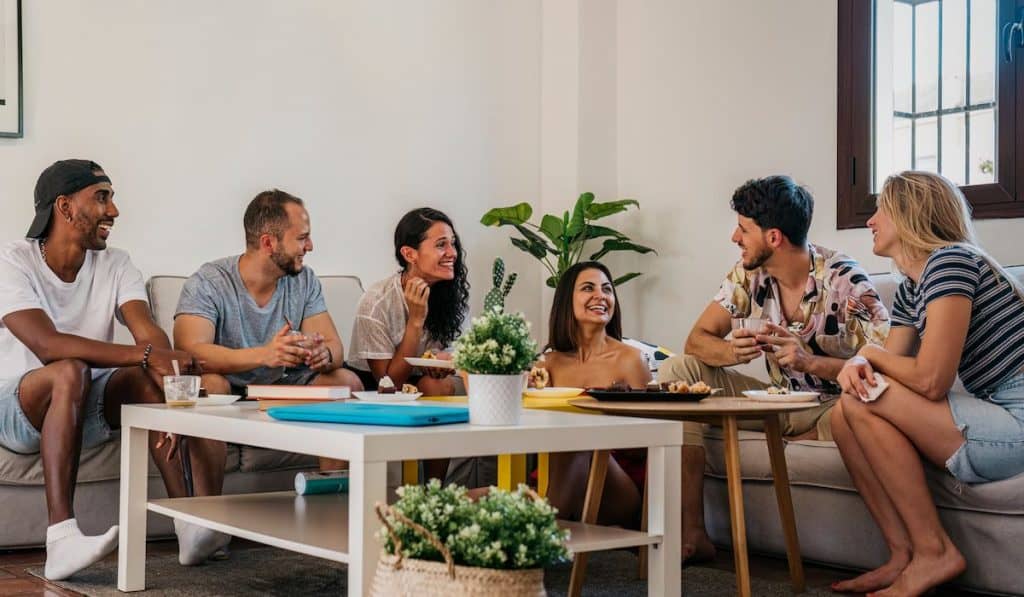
[(11, 109)]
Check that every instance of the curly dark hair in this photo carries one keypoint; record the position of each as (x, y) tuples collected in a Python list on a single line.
[(776, 202), (563, 329), (449, 299)]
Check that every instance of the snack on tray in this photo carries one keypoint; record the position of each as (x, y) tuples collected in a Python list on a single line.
[(385, 386), (428, 354), (700, 388), (776, 390), (539, 378), (618, 386), (408, 388), (654, 386), (679, 387)]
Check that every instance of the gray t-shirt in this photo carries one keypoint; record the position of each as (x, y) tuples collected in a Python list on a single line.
[(216, 292)]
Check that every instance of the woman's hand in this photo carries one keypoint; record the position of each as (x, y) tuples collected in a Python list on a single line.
[(416, 293), (854, 375)]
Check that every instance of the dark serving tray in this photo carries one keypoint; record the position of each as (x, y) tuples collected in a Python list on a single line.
[(644, 396)]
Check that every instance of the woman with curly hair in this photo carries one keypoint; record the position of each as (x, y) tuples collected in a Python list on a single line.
[(421, 307), (974, 313)]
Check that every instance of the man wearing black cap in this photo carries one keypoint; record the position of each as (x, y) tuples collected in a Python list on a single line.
[(62, 379)]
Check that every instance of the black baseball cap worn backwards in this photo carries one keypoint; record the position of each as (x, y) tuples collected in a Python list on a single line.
[(65, 177)]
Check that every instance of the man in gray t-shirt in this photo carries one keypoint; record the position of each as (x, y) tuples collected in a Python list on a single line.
[(260, 318)]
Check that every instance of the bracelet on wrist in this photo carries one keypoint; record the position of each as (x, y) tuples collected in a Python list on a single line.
[(330, 355), (145, 356)]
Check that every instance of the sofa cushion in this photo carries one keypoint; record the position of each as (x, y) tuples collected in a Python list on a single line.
[(262, 459), (818, 464), (101, 463)]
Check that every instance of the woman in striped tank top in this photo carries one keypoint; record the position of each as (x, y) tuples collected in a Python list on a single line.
[(975, 432)]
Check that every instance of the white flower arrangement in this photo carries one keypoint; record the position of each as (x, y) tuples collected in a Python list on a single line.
[(505, 529), (496, 343)]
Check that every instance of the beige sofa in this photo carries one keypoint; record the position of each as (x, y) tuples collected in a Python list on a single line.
[(986, 521), (23, 515)]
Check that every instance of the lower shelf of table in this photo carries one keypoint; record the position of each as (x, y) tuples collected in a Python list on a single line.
[(317, 525)]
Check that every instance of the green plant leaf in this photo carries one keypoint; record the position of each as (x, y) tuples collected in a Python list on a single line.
[(535, 239), (552, 281), (503, 216), (614, 244), (537, 250), (594, 231), (552, 228), (601, 210), (579, 213), (626, 278)]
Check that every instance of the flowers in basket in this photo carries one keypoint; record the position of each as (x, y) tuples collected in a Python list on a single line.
[(508, 530)]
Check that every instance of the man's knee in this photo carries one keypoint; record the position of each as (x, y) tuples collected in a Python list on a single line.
[(340, 377), (216, 384), (683, 367), (70, 380)]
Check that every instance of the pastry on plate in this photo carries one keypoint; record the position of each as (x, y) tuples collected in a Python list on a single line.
[(385, 386), (539, 378)]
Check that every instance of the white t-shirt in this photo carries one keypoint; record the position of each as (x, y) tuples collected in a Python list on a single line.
[(86, 307), (380, 325)]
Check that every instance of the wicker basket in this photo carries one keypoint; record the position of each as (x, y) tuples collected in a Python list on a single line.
[(400, 577)]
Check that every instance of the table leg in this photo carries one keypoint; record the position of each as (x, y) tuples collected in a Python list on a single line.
[(780, 475), (511, 470), (736, 518), (591, 507), (367, 486), (543, 463), (131, 552), (642, 559), (410, 472), (664, 509)]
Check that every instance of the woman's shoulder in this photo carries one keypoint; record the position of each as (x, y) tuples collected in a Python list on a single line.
[(951, 258), (382, 294)]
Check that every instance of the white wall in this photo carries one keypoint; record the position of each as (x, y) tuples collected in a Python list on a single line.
[(709, 95), (365, 108)]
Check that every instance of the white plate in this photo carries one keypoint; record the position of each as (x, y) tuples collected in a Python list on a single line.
[(435, 363), (217, 400), (764, 396), (396, 397)]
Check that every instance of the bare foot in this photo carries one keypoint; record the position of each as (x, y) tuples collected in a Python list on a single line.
[(879, 578), (926, 571), (697, 547)]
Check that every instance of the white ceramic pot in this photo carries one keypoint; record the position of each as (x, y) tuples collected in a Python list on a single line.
[(496, 399)]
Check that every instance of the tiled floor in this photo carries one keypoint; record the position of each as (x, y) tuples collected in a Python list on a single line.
[(14, 581)]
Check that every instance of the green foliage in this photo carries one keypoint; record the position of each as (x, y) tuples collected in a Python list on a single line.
[(497, 343), (505, 529), (558, 242), (495, 298)]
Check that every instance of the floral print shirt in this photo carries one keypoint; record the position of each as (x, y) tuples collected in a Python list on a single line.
[(839, 313)]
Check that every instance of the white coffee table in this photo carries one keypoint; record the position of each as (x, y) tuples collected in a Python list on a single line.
[(343, 527)]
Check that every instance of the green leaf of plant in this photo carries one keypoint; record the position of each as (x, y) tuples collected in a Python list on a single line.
[(535, 239), (503, 216), (614, 244), (552, 228), (579, 212), (626, 278), (601, 210), (538, 251), (551, 281), (594, 231)]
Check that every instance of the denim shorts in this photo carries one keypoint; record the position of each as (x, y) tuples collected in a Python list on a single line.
[(18, 435), (993, 428)]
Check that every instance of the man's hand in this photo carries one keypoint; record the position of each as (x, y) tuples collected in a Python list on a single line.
[(320, 357), (161, 363), (855, 377), (416, 293), (172, 449), (285, 349), (439, 372), (788, 349), (745, 347)]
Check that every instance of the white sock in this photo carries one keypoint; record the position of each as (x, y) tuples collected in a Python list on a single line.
[(68, 550), (196, 543)]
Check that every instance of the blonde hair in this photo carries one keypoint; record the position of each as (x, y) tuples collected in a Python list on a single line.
[(929, 212)]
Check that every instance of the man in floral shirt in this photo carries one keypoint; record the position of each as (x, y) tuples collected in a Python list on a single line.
[(819, 308)]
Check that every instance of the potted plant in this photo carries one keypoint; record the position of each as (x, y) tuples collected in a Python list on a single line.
[(496, 352), (559, 242), (437, 540)]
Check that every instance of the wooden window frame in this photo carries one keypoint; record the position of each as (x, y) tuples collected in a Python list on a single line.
[(856, 202)]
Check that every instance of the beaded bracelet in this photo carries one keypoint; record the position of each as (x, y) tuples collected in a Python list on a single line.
[(145, 356)]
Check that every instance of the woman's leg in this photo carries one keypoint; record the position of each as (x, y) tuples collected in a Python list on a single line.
[(878, 503), (568, 474), (893, 433)]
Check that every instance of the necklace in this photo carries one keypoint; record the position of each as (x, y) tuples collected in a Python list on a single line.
[(42, 248)]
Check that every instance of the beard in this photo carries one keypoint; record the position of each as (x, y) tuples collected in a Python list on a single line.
[(286, 263), (759, 259)]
